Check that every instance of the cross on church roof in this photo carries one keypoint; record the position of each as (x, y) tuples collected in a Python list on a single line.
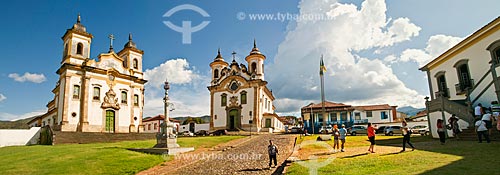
[(111, 38), (234, 55)]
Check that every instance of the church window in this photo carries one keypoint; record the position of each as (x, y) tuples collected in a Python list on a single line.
[(223, 100), (79, 49), (125, 64), (97, 93), (243, 97), (65, 50), (216, 73), (215, 117), (76, 91), (269, 105), (234, 86), (254, 67), (136, 100), (265, 104), (135, 63), (124, 97)]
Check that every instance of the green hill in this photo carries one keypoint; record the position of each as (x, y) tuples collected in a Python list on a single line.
[(18, 124)]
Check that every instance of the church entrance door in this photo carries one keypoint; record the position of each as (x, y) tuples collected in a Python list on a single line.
[(233, 114), (110, 121)]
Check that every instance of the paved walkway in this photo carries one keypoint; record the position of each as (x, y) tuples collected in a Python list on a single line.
[(241, 156)]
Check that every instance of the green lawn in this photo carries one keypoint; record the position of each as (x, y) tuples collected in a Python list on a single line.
[(455, 157), (97, 158)]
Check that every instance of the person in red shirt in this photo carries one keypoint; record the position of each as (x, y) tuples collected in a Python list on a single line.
[(371, 137), (440, 131)]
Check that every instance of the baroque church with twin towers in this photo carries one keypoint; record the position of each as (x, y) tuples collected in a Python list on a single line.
[(106, 94)]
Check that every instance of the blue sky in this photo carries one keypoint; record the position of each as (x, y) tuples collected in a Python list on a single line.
[(412, 32)]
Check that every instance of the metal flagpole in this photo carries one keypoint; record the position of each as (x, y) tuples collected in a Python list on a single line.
[(321, 69)]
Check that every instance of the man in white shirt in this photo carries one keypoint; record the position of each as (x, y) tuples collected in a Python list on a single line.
[(478, 110), (482, 131)]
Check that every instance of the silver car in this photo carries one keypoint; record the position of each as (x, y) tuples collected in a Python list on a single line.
[(391, 130), (357, 130)]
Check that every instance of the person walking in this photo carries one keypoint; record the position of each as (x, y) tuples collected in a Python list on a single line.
[(440, 131), (481, 130), (478, 110), (454, 126), (343, 134), (488, 119), (272, 149), (336, 135), (371, 137), (406, 136)]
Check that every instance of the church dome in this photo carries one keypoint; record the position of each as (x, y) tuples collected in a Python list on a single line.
[(255, 50), (79, 26), (130, 43), (219, 56)]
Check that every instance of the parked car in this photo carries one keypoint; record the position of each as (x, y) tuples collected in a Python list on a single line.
[(218, 132), (357, 130), (380, 130), (391, 130), (296, 130), (420, 129), (328, 129), (201, 133), (187, 133)]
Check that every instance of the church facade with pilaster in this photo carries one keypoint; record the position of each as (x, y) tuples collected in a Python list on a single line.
[(239, 97), (105, 94)]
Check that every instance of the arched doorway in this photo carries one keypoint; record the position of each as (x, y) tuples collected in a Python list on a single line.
[(110, 121), (192, 127), (233, 119)]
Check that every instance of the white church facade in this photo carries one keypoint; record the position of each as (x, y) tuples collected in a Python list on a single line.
[(239, 97), (96, 95)]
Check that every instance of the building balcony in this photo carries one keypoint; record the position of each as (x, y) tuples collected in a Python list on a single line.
[(461, 88)]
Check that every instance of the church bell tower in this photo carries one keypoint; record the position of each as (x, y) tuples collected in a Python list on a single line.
[(76, 43), (256, 62)]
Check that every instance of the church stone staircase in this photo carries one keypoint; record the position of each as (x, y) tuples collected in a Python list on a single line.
[(453, 107)]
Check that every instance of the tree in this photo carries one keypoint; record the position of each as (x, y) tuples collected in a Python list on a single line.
[(196, 120)]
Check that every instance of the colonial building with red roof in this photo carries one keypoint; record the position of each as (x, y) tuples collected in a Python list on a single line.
[(339, 113)]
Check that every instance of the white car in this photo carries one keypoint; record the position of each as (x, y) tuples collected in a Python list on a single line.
[(328, 129), (187, 133)]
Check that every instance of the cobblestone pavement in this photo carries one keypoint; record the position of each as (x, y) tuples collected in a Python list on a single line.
[(247, 157)]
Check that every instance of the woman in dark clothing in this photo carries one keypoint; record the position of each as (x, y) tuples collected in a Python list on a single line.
[(441, 130), (406, 136)]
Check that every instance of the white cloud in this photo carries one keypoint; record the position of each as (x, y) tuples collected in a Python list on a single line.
[(177, 71), (350, 78), (35, 78), (188, 89), (12, 117), (436, 45), (2, 97)]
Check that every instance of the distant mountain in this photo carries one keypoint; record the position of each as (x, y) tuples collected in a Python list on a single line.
[(18, 124), (205, 118), (410, 111)]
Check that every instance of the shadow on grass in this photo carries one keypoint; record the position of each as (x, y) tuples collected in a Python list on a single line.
[(353, 156), (476, 158)]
